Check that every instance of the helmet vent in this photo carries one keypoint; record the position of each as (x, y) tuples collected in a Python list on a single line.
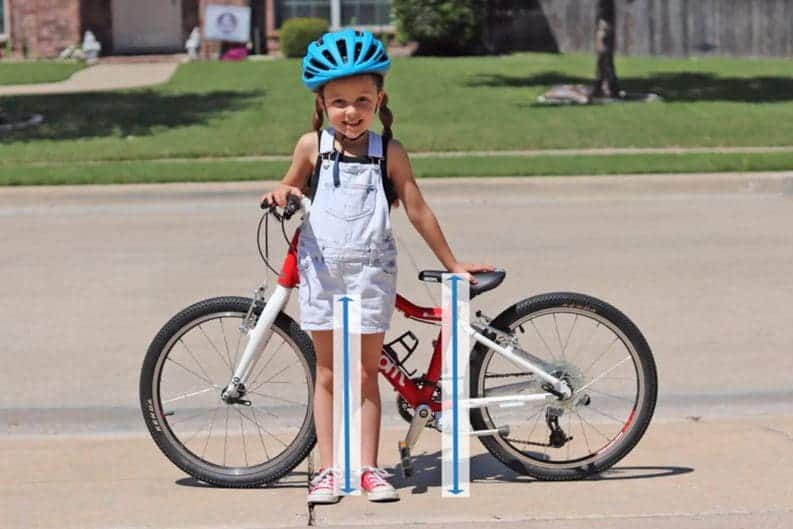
[(328, 56), (358, 48), (370, 53), (342, 49)]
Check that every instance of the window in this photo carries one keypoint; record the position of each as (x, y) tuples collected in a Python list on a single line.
[(3, 18), (353, 12), (287, 9), (366, 12)]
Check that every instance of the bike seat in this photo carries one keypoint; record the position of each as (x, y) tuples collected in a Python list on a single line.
[(486, 280)]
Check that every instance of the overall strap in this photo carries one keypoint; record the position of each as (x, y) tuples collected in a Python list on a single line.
[(312, 190), (377, 151)]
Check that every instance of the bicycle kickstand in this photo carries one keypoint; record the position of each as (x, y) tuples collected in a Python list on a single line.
[(421, 417)]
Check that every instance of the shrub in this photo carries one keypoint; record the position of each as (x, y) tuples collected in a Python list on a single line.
[(441, 27), (297, 33)]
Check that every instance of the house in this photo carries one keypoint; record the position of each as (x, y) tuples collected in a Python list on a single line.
[(43, 28)]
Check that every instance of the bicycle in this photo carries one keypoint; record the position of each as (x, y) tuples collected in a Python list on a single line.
[(573, 408)]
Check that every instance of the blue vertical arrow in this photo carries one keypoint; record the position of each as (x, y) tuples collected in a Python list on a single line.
[(455, 412), (346, 311)]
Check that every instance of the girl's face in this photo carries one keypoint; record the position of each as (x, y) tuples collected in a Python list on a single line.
[(350, 103)]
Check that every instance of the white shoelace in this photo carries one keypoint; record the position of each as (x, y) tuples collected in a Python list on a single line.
[(379, 474), (323, 478)]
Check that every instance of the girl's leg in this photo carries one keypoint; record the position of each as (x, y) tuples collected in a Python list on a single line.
[(371, 345), (323, 396)]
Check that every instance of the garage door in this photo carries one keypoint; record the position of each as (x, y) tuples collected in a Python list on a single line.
[(147, 26)]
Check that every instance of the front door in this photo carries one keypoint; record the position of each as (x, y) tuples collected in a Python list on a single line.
[(147, 26)]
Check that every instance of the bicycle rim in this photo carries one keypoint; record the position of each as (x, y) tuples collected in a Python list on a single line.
[(195, 366), (605, 370)]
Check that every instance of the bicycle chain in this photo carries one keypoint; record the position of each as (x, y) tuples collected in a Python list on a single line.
[(505, 375)]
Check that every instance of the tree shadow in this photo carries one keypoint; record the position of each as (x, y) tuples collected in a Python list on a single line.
[(487, 469), (672, 86), (135, 113)]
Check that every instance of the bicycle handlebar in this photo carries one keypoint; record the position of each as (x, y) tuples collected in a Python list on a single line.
[(294, 203)]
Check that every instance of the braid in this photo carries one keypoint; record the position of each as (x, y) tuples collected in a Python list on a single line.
[(319, 114), (386, 117)]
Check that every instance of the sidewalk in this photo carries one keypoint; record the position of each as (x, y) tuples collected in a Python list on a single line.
[(101, 77), (701, 474)]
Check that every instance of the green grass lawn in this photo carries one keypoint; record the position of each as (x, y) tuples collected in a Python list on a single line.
[(476, 103), (36, 72)]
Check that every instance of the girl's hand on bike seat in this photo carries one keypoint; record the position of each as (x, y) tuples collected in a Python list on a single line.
[(278, 195), (465, 268)]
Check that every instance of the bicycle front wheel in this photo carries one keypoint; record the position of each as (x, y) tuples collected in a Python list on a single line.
[(245, 444), (605, 360)]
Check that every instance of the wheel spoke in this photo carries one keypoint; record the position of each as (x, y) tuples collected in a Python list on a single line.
[(559, 337), (611, 396), (187, 395), (211, 343), (226, 343), (211, 425), (208, 425), (583, 430), (589, 338), (181, 420), (244, 444), (200, 367), (570, 334), (586, 371), (606, 437), (268, 431), (604, 373), (237, 348), (259, 429), (266, 395), (550, 351), (261, 370), (226, 436), (296, 362), (604, 414)]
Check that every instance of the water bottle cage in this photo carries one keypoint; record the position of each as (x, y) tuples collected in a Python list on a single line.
[(408, 343)]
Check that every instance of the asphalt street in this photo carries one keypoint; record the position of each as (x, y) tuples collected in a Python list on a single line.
[(701, 263)]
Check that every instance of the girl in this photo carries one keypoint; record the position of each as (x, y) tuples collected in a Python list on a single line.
[(346, 245)]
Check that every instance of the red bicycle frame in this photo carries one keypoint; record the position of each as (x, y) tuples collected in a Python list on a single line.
[(393, 371)]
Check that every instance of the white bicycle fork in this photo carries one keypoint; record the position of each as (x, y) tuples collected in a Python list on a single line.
[(258, 337)]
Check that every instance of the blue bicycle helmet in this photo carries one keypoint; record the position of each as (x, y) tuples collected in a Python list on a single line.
[(341, 54)]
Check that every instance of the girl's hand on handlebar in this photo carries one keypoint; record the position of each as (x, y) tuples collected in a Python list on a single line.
[(465, 268), (279, 194)]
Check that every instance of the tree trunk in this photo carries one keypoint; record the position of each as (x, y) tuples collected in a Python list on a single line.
[(606, 84)]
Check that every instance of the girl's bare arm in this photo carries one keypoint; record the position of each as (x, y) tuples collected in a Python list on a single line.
[(299, 171), (419, 212)]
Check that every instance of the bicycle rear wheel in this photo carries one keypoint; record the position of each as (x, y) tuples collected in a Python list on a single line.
[(187, 366), (604, 358)]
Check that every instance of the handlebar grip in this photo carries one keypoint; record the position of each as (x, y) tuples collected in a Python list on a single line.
[(292, 205), (265, 204)]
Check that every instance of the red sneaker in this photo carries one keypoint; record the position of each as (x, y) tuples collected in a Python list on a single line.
[(376, 487), (323, 489)]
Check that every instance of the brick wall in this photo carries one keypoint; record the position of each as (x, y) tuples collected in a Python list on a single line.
[(44, 27)]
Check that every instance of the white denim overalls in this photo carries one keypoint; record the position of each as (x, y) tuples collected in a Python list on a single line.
[(346, 245)]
